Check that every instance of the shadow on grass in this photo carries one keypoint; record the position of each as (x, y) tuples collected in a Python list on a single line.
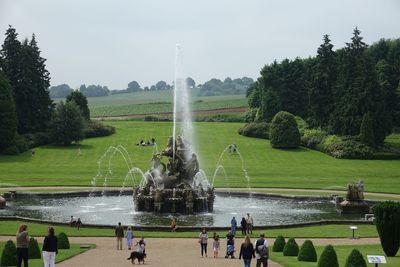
[(298, 149), (70, 147)]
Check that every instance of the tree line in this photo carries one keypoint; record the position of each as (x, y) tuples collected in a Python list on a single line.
[(210, 88), (336, 89), (28, 116)]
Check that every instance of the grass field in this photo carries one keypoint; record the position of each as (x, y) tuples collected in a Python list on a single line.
[(156, 102), (62, 255), (267, 167), (324, 231), (342, 254)]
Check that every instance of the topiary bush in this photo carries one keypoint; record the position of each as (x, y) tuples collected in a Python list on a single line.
[(355, 259), (283, 131), (9, 254), (291, 248), (387, 220), (328, 258), (33, 249), (307, 252), (62, 241), (279, 244), (255, 129), (97, 129)]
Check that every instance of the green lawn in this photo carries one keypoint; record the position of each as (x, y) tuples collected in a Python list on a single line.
[(342, 253), (326, 231), (267, 167), (63, 254), (156, 102)]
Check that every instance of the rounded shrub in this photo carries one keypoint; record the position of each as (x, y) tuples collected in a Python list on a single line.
[(355, 259), (328, 258), (255, 129), (9, 255), (387, 220), (279, 244), (291, 248), (33, 249), (62, 241), (283, 131), (307, 252)]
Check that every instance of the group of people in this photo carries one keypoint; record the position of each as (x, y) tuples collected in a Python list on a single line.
[(119, 234), (150, 142), (75, 222), (259, 250), (246, 225), (49, 249)]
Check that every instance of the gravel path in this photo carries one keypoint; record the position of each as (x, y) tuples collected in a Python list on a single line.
[(171, 252)]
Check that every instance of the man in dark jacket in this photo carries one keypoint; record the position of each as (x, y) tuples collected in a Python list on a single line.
[(119, 233)]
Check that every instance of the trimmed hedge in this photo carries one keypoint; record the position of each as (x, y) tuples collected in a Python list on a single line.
[(284, 132), (328, 257), (33, 249), (62, 241), (255, 129), (312, 137), (355, 259), (9, 254), (307, 252), (291, 248), (279, 244), (97, 129), (387, 220)]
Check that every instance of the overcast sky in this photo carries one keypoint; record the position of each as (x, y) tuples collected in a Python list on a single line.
[(114, 42)]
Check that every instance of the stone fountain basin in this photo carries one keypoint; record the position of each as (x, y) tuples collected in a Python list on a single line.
[(108, 210)]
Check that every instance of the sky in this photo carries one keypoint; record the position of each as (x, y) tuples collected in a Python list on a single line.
[(114, 42)]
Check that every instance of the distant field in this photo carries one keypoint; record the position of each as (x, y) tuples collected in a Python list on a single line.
[(156, 102), (267, 167)]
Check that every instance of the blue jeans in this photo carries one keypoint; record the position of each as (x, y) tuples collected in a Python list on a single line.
[(246, 262)]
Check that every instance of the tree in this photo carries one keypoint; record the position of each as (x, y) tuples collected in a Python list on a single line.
[(94, 90), (387, 221), (328, 257), (161, 85), (8, 115), (81, 101), (322, 82), (133, 87), (60, 91), (284, 132), (367, 131), (190, 83), (355, 259), (67, 123)]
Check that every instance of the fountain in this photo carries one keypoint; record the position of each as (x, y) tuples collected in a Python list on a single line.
[(354, 202), (178, 186)]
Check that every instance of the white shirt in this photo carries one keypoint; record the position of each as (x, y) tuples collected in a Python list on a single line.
[(255, 248)]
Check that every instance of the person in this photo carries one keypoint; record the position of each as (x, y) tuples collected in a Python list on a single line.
[(78, 223), (261, 251), (173, 224), (243, 226), (247, 251), (129, 237), (230, 245), (72, 221), (203, 239), (216, 246), (153, 141), (141, 245), (50, 248), (249, 223), (233, 226), (119, 234), (22, 245)]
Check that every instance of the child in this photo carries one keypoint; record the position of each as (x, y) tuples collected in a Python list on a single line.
[(216, 246)]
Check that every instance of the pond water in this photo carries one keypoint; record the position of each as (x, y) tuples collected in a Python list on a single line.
[(110, 210)]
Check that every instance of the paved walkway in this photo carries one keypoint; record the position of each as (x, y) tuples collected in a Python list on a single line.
[(170, 252)]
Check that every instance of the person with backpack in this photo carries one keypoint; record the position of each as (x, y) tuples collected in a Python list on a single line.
[(262, 253), (247, 252)]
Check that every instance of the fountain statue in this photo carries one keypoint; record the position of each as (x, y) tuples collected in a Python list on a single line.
[(354, 202), (178, 184), (173, 187)]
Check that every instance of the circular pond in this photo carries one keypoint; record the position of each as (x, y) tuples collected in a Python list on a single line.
[(110, 210)]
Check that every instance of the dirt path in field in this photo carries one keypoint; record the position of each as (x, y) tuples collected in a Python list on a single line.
[(171, 252), (257, 190), (165, 114)]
